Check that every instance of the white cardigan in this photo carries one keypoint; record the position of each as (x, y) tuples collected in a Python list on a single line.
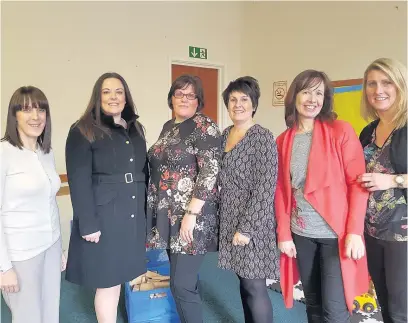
[(29, 217)]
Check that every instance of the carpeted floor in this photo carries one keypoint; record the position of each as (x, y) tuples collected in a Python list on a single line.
[(360, 316), (220, 292)]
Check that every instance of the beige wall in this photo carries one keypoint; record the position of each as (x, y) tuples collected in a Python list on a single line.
[(62, 47), (341, 38)]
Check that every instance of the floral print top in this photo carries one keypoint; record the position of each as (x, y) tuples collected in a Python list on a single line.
[(386, 217), (184, 163)]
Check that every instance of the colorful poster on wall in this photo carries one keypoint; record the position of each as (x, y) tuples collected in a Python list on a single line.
[(347, 101)]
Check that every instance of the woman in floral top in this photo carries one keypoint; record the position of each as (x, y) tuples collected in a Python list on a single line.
[(385, 149), (182, 198)]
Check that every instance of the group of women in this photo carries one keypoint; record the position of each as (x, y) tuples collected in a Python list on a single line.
[(317, 204)]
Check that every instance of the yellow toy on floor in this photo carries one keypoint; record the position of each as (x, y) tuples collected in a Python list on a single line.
[(366, 302)]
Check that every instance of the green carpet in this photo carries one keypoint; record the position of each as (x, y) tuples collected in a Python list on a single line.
[(220, 291)]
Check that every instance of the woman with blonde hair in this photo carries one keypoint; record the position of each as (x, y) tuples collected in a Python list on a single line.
[(384, 141)]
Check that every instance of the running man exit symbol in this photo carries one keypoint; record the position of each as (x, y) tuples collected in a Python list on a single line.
[(197, 52)]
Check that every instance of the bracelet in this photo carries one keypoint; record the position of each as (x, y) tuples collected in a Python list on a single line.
[(189, 212)]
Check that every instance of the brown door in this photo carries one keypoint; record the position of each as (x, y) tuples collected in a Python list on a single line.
[(209, 77)]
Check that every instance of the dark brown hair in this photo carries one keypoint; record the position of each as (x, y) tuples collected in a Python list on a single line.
[(247, 85), (91, 119), (184, 81), (306, 80), (20, 98)]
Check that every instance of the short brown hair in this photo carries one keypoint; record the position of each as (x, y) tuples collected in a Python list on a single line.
[(21, 97), (247, 85), (306, 80), (184, 81)]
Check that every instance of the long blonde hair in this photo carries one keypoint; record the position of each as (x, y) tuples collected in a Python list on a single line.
[(397, 74)]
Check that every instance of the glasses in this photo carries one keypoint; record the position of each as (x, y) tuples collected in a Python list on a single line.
[(29, 109), (189, 96)]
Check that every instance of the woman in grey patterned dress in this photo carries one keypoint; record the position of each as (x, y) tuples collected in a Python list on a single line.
[(247, 221)]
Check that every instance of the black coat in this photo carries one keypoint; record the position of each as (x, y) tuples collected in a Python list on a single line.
[(107, 180)]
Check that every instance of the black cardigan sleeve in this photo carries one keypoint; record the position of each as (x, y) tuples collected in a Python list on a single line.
[(365, 135), (399, 150), (399, 153)]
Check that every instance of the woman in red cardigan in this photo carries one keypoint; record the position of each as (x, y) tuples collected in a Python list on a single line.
[(320, 206)]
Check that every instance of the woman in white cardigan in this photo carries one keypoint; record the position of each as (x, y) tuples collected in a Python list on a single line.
[(31, 256)]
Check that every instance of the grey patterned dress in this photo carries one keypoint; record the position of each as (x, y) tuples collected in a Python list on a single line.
[(247, 187)]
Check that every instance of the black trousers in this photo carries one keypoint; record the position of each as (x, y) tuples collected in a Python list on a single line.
[(184, 286), (319, 268), (387, 264), (255, 300)]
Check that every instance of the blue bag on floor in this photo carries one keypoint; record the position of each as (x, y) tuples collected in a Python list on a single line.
[(156, 257), (153, 306)]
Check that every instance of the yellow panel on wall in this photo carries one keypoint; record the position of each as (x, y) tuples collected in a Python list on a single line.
[(347, 106)]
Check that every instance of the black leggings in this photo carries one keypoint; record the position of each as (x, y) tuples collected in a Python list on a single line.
[(320, 272), (255, 301), (387, 264), (184, 286)]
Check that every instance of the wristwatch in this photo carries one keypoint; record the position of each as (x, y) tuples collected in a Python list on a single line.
[(399, 179)]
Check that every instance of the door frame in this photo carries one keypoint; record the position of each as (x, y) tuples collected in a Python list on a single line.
[(221, 115)]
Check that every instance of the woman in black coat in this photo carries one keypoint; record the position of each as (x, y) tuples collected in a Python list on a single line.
[(107, 173), (385, 149)]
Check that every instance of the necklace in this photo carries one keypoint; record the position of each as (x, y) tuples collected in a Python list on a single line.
[(304, 131)]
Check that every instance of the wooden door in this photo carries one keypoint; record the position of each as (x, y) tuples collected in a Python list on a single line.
[(209, 78)]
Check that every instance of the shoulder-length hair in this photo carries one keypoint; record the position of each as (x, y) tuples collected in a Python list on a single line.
[(21, 98), (91, 120), (396, 72), (306, 80), (184, 81), (247, 85)]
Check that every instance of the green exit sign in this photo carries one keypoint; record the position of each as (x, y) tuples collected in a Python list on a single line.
[(197, 52)]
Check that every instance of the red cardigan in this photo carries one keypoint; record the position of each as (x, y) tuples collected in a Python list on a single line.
[(336, 159)]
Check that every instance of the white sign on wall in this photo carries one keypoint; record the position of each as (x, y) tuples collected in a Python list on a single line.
[(279, 93)]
